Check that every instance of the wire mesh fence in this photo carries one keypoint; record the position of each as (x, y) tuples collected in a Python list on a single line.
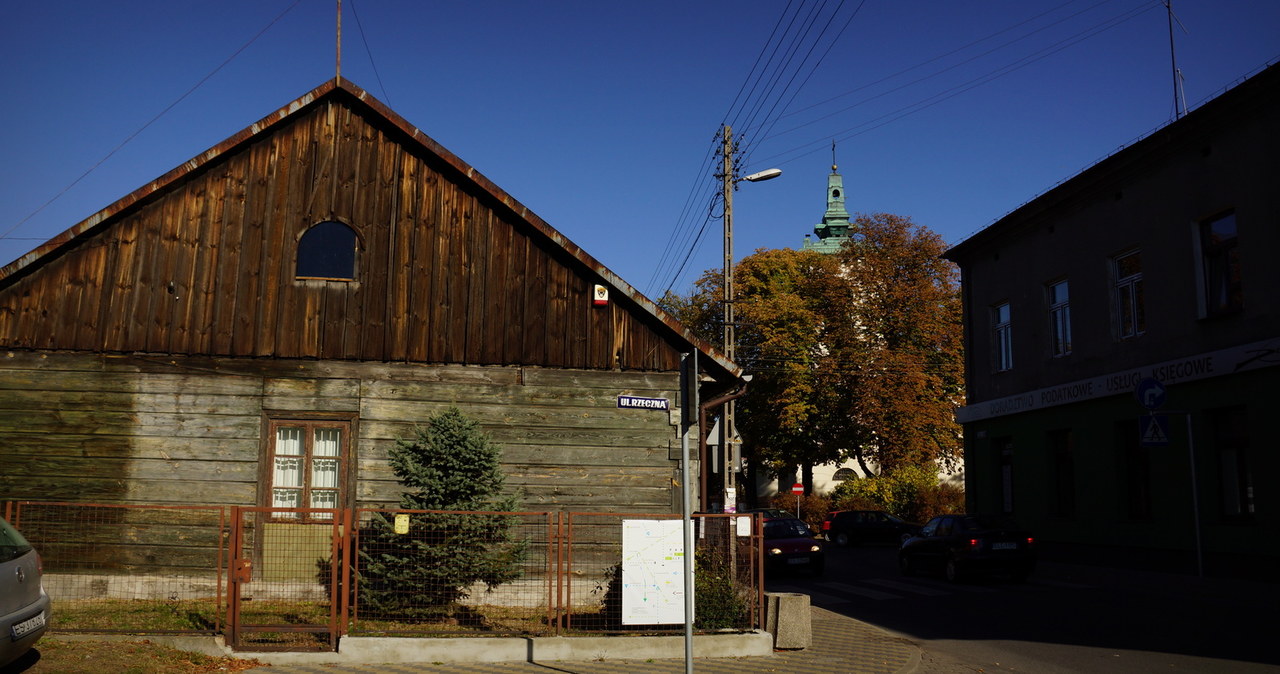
[(613, 583), (454, 572), (138, 569), (297, 579)]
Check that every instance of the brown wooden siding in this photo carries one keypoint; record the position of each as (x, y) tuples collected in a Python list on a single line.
[(95, 428), (444, 274)]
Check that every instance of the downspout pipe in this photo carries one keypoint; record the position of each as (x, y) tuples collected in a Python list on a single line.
[(703, 475)]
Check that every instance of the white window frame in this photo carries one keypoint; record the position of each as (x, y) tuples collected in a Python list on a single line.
[(306, 465), (1002, 336), (1218, 279), (1059, 296), (1130, 302)]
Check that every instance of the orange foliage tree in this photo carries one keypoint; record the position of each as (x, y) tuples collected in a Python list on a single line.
[(853, 356)]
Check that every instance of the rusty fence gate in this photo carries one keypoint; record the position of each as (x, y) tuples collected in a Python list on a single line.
[(285, 579)]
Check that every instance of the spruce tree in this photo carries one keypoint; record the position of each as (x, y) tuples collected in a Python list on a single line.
[(449, 464)]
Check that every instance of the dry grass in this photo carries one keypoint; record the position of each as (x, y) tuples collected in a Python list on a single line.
[(121, 657)]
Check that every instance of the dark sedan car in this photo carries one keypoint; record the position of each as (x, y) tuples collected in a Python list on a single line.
[(960, 545), (24, 606), (769, 513), (790, 543), (854, 527)]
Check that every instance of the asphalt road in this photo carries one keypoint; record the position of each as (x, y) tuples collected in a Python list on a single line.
[(1065, 618)]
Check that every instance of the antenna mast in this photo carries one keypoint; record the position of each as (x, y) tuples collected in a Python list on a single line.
[(1179, 92), (338, 51)]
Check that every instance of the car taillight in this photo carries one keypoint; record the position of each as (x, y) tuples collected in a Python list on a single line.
[(1030, 541), (974, 544), (826, 525), (39, 564)]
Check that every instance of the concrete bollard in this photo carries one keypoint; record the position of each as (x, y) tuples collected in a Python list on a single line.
[(787, 619)]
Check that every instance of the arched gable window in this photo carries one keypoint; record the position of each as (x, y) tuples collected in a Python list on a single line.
[(328, 251), (843, 474)]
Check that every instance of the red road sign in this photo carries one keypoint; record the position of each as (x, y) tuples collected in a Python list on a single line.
[(797, 488)]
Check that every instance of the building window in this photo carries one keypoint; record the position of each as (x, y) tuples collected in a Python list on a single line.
[(1060, 318), (328, 251), (307, 464), (1003, 337), (1063, 475), (1131, 317), (843, 475), (1220, 262), (1231, 439)]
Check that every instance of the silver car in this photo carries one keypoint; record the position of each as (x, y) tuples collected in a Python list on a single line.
[(24, 606)]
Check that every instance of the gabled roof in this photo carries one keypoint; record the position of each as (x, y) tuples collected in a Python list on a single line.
[(339, 87)]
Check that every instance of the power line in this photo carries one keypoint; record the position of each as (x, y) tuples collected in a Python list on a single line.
[(153, 120), (963, 87), (372, 64), (793, 33)]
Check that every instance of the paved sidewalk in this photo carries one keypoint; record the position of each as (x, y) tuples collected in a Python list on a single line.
[(840, 645)]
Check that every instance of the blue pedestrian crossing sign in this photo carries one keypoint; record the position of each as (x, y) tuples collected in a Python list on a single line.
[(1153, 430)]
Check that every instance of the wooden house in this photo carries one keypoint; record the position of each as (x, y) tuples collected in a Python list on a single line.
[(258, 326)]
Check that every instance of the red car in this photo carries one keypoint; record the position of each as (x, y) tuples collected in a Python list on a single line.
[(789, 543)]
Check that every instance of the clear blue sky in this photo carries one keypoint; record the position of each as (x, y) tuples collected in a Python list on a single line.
[(599, 115)]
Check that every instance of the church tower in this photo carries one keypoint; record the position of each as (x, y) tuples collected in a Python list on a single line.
[(833, 231)]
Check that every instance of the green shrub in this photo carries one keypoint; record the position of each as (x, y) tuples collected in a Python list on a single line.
[(910, 492), (719, 600)]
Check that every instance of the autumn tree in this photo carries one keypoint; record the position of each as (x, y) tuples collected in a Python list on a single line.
[(900, 350), (853, 356)]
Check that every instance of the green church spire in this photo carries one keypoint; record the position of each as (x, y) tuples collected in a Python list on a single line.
[(833, 231)]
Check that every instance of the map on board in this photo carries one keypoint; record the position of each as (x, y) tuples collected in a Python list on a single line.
[(652, 572)]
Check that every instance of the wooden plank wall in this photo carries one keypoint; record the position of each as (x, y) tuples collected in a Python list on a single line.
[(137, 429), (444, 273)]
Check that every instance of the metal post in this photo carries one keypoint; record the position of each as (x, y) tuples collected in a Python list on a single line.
[(689, 389), (1195, 491), (1195, 497)]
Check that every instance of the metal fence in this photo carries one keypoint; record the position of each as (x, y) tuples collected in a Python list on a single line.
[(123, 568), (297, 579)]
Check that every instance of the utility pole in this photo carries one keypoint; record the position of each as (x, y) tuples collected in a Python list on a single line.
[(729, 441), (728, 431)]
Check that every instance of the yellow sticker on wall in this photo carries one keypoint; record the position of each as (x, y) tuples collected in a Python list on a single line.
[(402, 524)]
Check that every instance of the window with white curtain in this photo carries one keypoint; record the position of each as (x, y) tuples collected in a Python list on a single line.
[(307, 459)]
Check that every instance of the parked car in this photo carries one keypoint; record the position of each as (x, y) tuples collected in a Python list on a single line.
[(960, 545), (790, 543), (770, 513), (24, 606), (853, 527)]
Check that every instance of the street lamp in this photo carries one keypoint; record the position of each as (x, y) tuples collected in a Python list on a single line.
[(728, 427)]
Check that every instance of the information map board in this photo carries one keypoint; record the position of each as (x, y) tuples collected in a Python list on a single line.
[(652, 572)]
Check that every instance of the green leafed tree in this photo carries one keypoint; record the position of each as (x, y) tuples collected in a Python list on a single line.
[(448, 465)]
